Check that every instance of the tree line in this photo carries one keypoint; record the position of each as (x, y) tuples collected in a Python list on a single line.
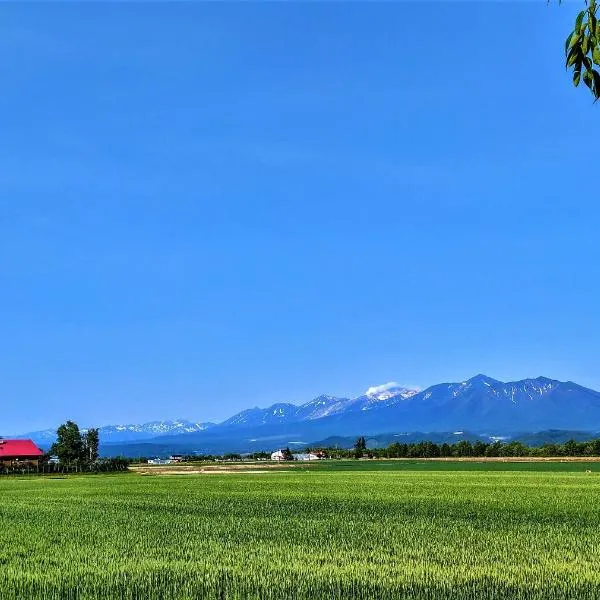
[(465, 449), (424, 449)]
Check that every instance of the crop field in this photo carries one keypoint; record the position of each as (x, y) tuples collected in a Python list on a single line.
[(357, 530)]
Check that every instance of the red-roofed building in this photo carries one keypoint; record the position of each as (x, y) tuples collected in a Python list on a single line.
[(19, 452)]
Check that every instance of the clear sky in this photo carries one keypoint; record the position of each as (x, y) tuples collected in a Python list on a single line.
[(206, 207)]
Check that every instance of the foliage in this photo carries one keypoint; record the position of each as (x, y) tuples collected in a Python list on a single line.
[(73, 448), (359, 447), (466, 449), (102, 465), (303, 534), (91, 440), (582, 49), (69, 444), (287, 454)]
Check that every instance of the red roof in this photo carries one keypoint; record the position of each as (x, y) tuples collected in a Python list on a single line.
[(18, 449)]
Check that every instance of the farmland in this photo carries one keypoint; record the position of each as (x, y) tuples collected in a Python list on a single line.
[(387, 530)]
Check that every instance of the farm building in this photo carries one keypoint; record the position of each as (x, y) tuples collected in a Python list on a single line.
[(159, 461), (306, 456), (19, 452), (279, 455)]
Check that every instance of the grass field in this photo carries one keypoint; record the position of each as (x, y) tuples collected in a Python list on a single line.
[(387, 530)]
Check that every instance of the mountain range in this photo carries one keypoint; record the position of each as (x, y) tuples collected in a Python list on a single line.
[(481, 406), (126, 433)]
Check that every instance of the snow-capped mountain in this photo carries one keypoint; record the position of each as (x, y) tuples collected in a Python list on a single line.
[(112, 433), (322, 406), (319, 408), (126, 433), (480, 405), (485, 404), (277, 413)]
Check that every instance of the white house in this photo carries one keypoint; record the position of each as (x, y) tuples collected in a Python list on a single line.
[(159, 461), (277, 455)]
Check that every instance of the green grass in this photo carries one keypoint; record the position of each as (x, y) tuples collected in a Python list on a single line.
[(348, 530), (556, 465)]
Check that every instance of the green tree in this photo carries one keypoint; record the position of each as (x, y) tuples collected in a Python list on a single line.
[(69, 444), (582, 48), (463, 448), (479, 448), (287, 454), (359, 447), (446, 450), (572, 448), (91, 442)]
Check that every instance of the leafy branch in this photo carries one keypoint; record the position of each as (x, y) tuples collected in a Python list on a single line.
[(582, 49)]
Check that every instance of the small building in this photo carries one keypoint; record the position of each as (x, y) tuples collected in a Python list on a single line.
[(306, 456), (176, 458), (159, 461), (277, 455), (17, 453)]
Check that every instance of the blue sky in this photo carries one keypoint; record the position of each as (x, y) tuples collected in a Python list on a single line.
[(205, 207)]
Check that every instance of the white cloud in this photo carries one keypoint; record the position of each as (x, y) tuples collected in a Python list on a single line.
[(379, 389)]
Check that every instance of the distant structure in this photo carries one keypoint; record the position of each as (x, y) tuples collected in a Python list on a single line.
[(159, 461), (306, 456), (279, 455), (15, 453), (176, 458)]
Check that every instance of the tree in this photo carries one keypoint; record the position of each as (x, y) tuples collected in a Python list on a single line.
[(69, 444), (359, 447), (463, 448), (582, 48), (287, 454), (572, 448), (90, 445)]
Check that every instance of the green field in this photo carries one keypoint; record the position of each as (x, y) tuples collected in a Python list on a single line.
[(354, 530)]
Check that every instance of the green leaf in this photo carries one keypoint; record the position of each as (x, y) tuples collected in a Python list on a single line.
[(592, 22), (568, 42), (576, 78), (588, 79), (575, 39), (579, 21), (585, 44), (574, 56), (596, 55), (596, 78)]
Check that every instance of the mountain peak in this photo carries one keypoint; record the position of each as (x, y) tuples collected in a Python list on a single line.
[(481, 378)]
